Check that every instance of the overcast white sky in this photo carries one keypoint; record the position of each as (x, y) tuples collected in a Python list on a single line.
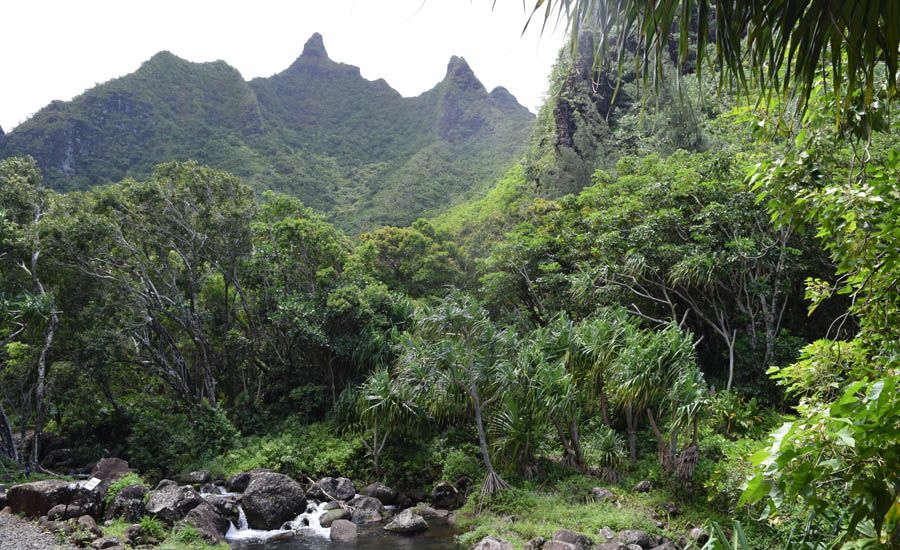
[(58, 49)]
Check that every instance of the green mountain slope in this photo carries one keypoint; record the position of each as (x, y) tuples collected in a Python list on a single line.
[(353, 148)]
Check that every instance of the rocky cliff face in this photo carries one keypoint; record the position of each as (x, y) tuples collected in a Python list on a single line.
[(318, 130)]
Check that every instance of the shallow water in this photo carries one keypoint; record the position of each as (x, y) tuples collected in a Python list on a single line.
[(371, 537)]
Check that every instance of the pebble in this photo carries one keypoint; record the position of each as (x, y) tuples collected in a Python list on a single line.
[(20, 534)]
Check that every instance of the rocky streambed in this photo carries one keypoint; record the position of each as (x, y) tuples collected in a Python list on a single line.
[(257, 509)]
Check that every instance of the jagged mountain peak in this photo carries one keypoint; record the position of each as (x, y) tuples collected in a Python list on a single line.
[(461, 75), (314, 47)]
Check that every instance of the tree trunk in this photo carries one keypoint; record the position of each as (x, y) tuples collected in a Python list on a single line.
[(661, 445), (42, 360), (39, 389), (492, 481), (730, 343), (604, 406), (576, 443), (631, 426), (6, 437)]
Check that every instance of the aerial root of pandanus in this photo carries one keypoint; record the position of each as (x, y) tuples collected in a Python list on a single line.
[(493, 483)]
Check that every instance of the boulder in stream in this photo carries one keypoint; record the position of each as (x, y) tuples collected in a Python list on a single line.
[(333, 515), (343, 531), (271, 499), (366, 509), (332, 488), (407, 521), (382, 492)]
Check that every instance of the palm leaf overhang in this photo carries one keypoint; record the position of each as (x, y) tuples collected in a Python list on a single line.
[(782, 47)]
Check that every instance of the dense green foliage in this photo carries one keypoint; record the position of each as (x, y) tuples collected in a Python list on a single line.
[(608, 313), (351, 148)]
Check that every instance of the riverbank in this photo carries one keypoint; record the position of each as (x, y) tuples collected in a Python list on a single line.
[(20, 534)]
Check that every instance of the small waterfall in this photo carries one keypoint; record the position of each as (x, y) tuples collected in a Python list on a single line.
[(242, 519), (310, 522)]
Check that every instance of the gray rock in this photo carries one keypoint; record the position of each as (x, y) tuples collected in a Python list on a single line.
[(238, 483), (599, 494), (107, 543), (366, 509), (559, 545), (607, 534), (634, 547), (225, 505), (610, 546), (35, 499), (643, 486), (634, 536), (327, 488), (666, 545), (333, 515), (198, 477), (407, 521), (271, 499), (128, 504), (64, 512), (211, 525), (108, 470), (445, 495), (537, 543), (382, 492), (163, 483), (88, 524), (579, 540), (172, 503), (492, 543), (343, 530)]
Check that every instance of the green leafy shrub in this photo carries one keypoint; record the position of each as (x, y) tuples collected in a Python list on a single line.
[(315, 450), (462, 462), (169, 442), (732, 415), (604, 449), (725, 466), (120, 483), (152, 527)]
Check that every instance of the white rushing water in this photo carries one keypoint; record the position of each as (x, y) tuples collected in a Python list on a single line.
[(310, 522), (307, 523)]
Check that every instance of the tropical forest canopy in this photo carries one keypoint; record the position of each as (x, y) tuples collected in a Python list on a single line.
[(686, 274)]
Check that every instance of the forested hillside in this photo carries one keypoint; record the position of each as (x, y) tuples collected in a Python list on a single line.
[(671, 324), (351, 148)]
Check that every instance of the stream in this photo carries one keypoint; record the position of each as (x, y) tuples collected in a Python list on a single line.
[(308, 534)]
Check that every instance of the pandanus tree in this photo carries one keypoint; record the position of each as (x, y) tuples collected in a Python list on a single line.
[(533, 388), (656, 376), (564, 353), (601, 339), (450, 359), (383, 406)]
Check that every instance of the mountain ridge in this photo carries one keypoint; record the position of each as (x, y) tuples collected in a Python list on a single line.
[(353, 148)]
